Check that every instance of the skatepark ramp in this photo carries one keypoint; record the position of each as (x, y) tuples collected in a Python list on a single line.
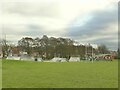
[(74, 59)]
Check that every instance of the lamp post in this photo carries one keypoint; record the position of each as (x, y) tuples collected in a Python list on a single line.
[(92, 54), (86, 51)]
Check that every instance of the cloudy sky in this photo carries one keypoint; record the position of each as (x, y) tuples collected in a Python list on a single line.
[(86, 21)]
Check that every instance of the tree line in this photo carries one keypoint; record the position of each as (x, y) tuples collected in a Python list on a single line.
[(52, 47)]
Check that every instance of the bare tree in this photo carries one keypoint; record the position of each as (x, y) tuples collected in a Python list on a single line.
[(103, 49), (5, 47)]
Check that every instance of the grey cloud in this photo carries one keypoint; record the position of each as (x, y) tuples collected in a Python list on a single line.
[(109, 42), (99, 22), (14, 32), (96, 26), (32, 8), (34, 30), (23, 30)]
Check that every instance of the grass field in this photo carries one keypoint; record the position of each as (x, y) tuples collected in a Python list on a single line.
[(0, 74), (29, 74)]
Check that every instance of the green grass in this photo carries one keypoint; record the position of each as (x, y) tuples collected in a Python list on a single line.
[(29, 74), (0, 74)]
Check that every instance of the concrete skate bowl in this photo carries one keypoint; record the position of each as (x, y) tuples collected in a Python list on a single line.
[(63, 60), (27, 58), (39, 59), (57, 59), (74, 59), (13, 58)]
